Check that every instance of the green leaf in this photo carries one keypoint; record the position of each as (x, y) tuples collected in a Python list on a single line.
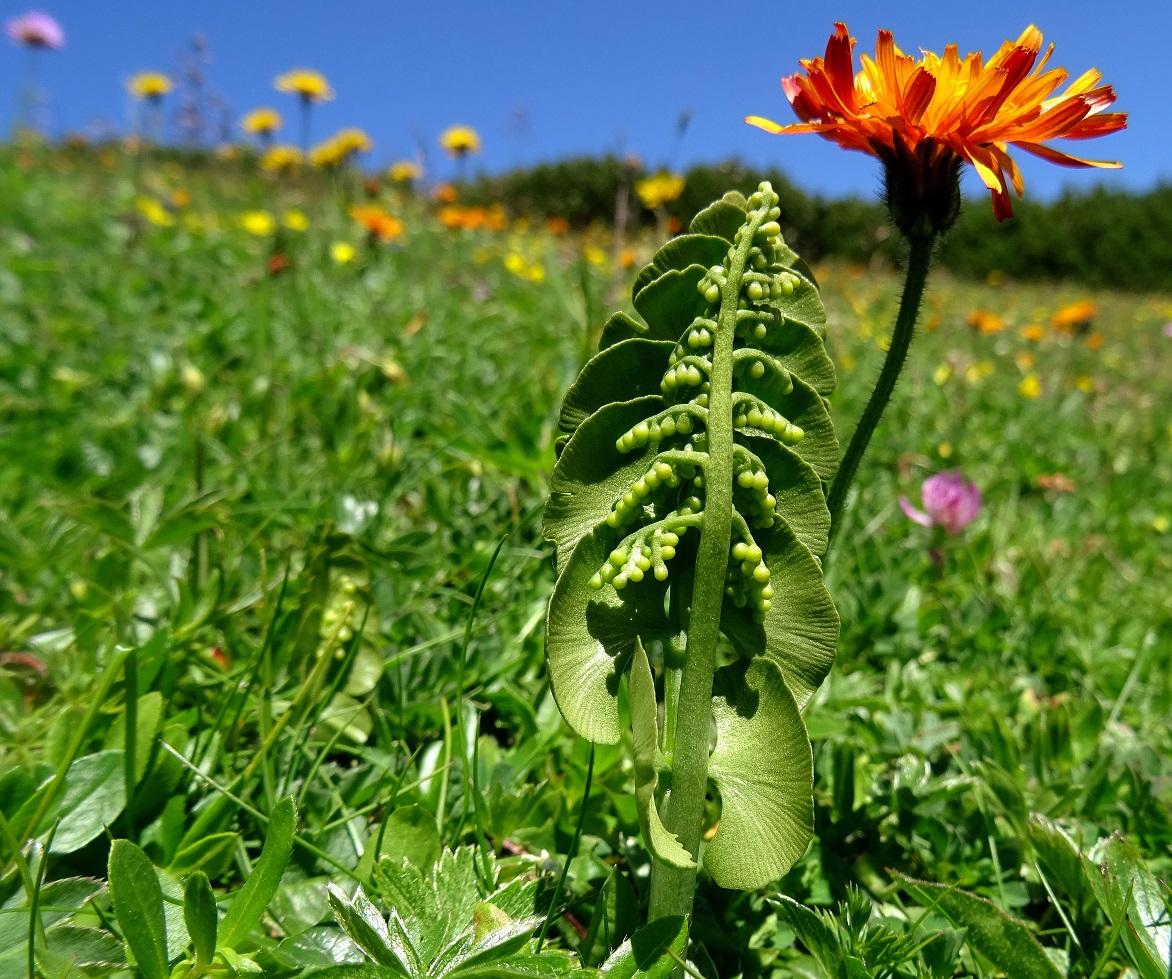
[(679, 253), (670, 302), (95, 795), (815, 932), (1058, 855), (1114, 868), (251, 900), (616, 914), (620, 327), (607, 377), (663, 845), (200, 916), (643, 955), (764, 769), (411, 835), (205, 852), (138, 905), (1004, 941), (85, 948), (367, 928), (722, 218)]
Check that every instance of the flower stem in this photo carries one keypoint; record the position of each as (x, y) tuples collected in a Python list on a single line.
[(919, 261)]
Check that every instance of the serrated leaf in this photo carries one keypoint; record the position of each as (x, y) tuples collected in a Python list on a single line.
[(200, 916), (1003, 941), (367, 928), (663, 845), (767, 804), (138, 905), (671, 302), (643, 955), (814, 932), (250, 902), (680, 252)]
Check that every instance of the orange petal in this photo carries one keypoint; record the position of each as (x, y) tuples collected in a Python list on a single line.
[(1064, 159)]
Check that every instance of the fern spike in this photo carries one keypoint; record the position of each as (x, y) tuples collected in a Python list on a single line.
[(687, 508)]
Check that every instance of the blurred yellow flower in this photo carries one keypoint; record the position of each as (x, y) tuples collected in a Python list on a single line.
[(227, 152), (460, 141), (353, 140), (149, 85), (985, 322), (153, 211), (1085, 383), (1074, 316), (1161, 524), (533, 272), (661, 189), (309, 85), (942, 375), (259, 223), (262, 122), (404, 171), (944, 450), (341, 252), (1030, 386), (1033, 332), (295, 220), (594, 255), (975, 373), (281, 159), (377, 222), (193, 222)]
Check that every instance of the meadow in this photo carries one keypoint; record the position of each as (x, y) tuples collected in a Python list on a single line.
[(270, 527)]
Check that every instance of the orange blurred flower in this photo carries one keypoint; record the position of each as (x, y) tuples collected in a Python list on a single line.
[(558, 226), (627, 258), (445, 194), (985, 322), (470, 218), (925, 118), (377, 222), (1033, 332), (1074, 317), (1059, 482), (1095, 341)]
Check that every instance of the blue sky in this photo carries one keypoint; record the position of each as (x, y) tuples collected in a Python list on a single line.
[(543, 79)]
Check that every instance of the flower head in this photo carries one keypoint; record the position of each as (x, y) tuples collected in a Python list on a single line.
[(925, 118), (661, 189), (460, 141), (149, 85), (309, 85), (339, 148), (36, 30), (1074, 317), (259, 223), (341, 252), (950, 501), (295, 220), (281, 159), (985, 322), (262, 122), (377, 222), (404, 171)]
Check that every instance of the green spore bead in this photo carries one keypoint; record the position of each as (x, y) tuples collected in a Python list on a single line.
[(667, 552), (694, 339), (760, 331), (753, 553), (745, 479), (596, 582), (761, 480), (668, 427), (741, 421), (787, 285), (684, 424), (698, 482), (757, 369), (620, 582), (711, 293), (739, 550), (754, 417), (761, 574), (792, 434), (663, 470), (766, 593), (756, 293), (661, 572)]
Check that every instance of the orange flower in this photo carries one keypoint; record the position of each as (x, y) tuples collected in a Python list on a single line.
[(445, 194), (1033, 332), (1074, 317), (378, 223), (558, 226), (985, 322), (1095, 341), (925, 118)]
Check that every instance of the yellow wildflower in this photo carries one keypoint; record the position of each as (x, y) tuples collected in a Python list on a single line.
[(460, 141), (295, 220), (594, 255), (259, 223), (149, 85), (341, 252), (309, 85), (1161, 524), (1030, 386), (661, 189), (1085, 383), (262, 122), (404, 171), (153, 211), (942, 375), (944, 450), (1033, 332), (281, 159)]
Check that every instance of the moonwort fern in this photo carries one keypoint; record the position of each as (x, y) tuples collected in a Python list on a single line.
[(687, 508)]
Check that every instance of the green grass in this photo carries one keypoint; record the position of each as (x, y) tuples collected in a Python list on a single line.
[(244, 519)]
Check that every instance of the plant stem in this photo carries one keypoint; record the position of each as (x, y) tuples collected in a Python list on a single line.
[(672, 890), (918, 263)]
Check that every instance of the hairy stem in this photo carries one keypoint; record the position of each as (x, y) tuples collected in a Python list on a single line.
[(919, 260), (672, 889)]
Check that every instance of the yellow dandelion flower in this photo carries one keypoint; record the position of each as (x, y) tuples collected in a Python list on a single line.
[(1030, 386), (594, 255), (1033, 332), (944, 450), (942, 375), (404, 171), (308, 85), (153, 211), (295, 220), (342, 252), (1161, 524), (262, 122), (149, 85), (259, 223), (661, 189), (460, 141), (1085, 383), (281, 159)]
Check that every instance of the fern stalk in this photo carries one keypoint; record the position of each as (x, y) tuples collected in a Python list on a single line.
[(672, 889)]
